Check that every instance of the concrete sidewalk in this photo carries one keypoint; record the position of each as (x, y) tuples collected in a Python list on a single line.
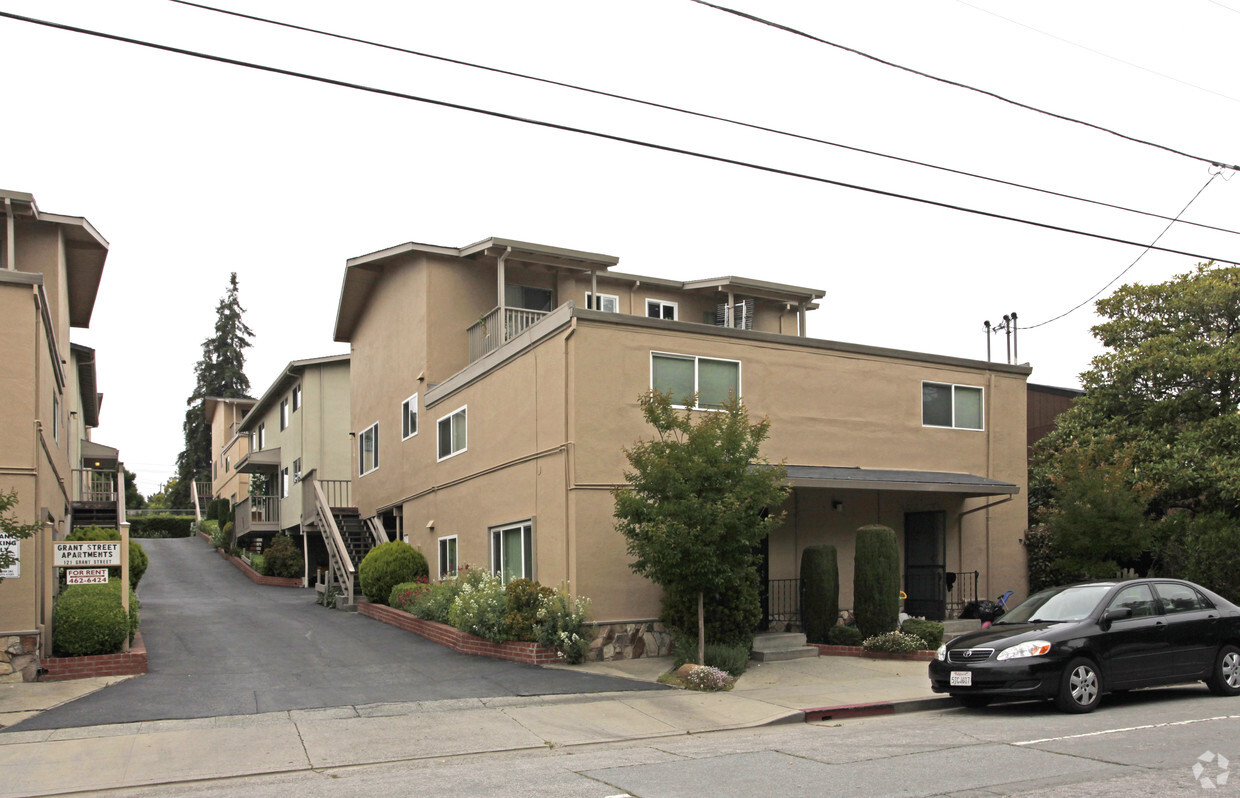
[(165, 752)]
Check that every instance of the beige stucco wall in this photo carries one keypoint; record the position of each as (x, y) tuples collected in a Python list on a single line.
[(227, 449)]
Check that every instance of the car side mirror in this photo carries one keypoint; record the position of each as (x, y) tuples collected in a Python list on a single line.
[(1115, 614)]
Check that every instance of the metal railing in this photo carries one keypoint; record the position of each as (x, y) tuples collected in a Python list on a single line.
[(94, 485), (783, 602), (936, 593), (487, 334)]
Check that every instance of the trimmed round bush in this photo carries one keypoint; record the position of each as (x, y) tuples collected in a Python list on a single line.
[(844, 636), (876, 581), (930, 632), (283, 558), (88, 620), (386, 566), (820, 579)]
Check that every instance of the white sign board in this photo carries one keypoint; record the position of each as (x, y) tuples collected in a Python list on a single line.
[(86, 576), (10, 543), (86, 553)]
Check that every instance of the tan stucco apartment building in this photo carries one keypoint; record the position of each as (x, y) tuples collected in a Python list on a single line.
[(50, 268), (494, 386), (228, 446)]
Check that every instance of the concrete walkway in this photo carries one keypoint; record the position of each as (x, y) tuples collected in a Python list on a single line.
[(171, 751)]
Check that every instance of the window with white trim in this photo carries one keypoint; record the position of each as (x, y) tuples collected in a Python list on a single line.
[(447, 556), (512, 551), (659, 309), (259, 438), (296, 397), (284, 482), (368, 450), (283, 413), (453, 438), (683, 376), (608, 303), (297, 471), (953, 406), (409, 418)]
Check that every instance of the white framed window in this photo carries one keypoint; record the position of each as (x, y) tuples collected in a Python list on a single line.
[(453, 437), (259, 439), (512, 551), (711, 379), (660, 309), (296, 397), (409, 418), (368, 450), (447, 556), (283, 413), (608, 303), (297, 471), (953, 406), (284, 483)]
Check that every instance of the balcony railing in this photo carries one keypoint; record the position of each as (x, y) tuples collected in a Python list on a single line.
[(256, 514), (487, 334), (94, 485)]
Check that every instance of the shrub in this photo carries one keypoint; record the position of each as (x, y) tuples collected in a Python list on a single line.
[(820, 579), (726, 656), (386, 566), (89, 619), (562, 624), (708, 679), (479, 607), (1201, 549), (436, 602), (138, 561), (282, 558), (731, 615), (845, 636), (220, 537), (876, 581), (407, 594), (161, 526), (893, 642), (930, 632), (522, 601)]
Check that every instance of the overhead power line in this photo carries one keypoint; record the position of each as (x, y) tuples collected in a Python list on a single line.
[(959, 85), (679, 110), (586, 132)]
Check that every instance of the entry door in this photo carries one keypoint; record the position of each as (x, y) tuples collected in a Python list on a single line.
[(925, 558)]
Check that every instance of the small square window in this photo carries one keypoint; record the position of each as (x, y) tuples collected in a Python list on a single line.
[(409, 418), (659, 309), (608, 303), (452, 433)]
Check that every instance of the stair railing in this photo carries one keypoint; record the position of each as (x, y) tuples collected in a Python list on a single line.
[(377, 532), (341, 563)]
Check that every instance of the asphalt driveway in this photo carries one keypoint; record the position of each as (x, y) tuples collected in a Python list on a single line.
[(219, 644)]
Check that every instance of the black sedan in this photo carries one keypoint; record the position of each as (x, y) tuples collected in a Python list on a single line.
[(1072, 644)]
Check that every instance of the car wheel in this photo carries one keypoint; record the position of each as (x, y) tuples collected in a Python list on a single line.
[(972, 701), (1225, 676), (1080, 687)]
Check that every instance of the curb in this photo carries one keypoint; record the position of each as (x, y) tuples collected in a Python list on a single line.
[(876, 709)]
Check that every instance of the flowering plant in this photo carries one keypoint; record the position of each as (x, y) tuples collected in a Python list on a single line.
[(708, 679), (894, 642), (561, 624)]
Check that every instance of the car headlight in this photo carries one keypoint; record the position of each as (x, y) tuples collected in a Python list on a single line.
[(941, 654), (1034, 648)]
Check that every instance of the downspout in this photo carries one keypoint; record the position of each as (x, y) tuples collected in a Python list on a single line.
[(594, 289), (569, 449), (801, 320)]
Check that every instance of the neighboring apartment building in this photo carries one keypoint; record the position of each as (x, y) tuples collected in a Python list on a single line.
[(494, 387), (229, 446), (298, 435), (50, 268)]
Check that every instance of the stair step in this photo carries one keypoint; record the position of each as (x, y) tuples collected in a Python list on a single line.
[(778, 641), (784, 654)]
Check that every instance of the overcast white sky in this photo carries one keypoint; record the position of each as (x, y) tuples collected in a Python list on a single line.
[(192, 169)]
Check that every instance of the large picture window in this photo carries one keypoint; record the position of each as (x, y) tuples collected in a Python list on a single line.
[(368, 449), (409, 417), (453, 438), (946, 405), (512, 551), (683, 376)]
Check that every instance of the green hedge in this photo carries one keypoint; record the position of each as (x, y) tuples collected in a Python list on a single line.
[(931, 632), (138, 561), (89, 620), (820, 579), (160, 526), (876, 581), (386, 566)]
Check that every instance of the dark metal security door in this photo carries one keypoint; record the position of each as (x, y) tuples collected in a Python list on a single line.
[(925, 560)]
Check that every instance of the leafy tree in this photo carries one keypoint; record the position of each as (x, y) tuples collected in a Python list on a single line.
[(133, 499), (11, 528), (219, 372), (159, 499), (692, 513), (1157, 433)]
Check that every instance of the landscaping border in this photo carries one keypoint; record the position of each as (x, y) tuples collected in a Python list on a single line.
[(858, 651), (129, 663), (455, 639), (256, 577)]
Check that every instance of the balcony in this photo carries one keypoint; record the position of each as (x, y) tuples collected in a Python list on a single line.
[(488, 334), (256, 514), (94, 486)]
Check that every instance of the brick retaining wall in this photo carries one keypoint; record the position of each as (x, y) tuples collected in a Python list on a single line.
[(256, 577), (858, 651), (455, 639), (132, 662)]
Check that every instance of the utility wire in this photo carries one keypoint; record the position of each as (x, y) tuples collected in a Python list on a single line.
[(676, 109), (959, 85), (585, 132), (1128, 268)]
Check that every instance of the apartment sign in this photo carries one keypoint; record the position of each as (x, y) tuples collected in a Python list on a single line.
[(10, 544), (86, 553), (86, 576)]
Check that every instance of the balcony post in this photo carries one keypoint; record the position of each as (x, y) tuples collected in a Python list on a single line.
[(501, 283)]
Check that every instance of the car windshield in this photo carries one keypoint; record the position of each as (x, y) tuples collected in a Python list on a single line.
[(1057, 604)]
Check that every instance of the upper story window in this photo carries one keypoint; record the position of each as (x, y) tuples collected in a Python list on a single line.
[(296, 397), (528, 297), (259, 437), (284, 483), (297, 470), (409, 418), (283, 413), (659, 309), (452, 433), (368, 450), (683, 376), (55, 418), (608, 303), (227, 464), (946, 405)]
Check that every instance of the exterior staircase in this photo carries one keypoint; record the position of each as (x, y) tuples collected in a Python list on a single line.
[(779, 646), (357, 539), (94, 514)]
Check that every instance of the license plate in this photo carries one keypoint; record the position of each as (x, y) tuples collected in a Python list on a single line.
[(962, 679)]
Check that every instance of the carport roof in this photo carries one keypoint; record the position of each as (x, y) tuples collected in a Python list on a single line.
[(802, 476)]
